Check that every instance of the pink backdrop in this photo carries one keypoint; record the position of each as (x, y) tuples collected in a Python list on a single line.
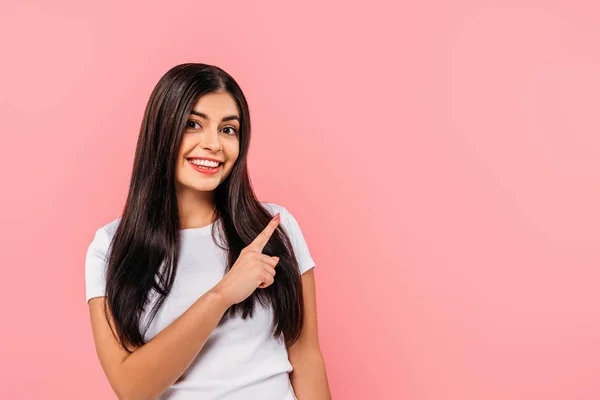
[(442, 159)]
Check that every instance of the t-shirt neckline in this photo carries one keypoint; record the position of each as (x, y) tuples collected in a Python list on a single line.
[(204, 230)]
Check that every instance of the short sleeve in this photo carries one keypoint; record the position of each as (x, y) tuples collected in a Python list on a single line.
[(95, 265), (305, 260)]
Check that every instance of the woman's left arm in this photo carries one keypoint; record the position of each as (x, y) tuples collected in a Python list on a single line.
[(308, 377)]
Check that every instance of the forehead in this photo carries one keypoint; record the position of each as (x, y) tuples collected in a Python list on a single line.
[(216, 105)]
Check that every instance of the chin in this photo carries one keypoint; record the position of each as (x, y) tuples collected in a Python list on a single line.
[(199, 187), (202, 189)]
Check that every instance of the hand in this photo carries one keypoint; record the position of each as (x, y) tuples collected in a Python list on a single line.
[(251, 270)]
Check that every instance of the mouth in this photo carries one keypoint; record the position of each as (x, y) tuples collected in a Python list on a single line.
[(205, 169)]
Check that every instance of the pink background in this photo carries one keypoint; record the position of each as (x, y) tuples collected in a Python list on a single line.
[(442, 159)]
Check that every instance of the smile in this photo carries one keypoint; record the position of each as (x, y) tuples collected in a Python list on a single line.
[(204, 169)]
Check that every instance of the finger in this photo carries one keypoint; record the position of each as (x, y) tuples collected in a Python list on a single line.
[(271, 261), (270, 270), (261, 240), (267, 282)]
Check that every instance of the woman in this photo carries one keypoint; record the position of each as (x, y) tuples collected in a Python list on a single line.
[(198, 290)]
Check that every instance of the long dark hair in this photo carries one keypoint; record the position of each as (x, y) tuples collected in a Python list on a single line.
[(144, 250)]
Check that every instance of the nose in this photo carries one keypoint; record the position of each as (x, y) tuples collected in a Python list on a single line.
[(209, 140)]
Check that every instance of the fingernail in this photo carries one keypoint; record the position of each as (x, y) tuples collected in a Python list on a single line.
[(277, 216)]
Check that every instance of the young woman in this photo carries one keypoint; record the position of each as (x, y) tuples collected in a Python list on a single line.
[(198, 290)]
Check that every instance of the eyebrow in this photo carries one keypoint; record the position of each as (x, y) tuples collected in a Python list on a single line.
[(227, 118)]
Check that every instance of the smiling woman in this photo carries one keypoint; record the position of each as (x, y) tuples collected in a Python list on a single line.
[(200, 290)]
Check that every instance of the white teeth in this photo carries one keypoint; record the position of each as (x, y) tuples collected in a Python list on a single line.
[(205, 163)]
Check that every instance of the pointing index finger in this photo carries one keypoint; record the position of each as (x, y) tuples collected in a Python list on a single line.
[(261, 240)]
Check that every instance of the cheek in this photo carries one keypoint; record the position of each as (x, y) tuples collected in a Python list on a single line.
[(233, 150), (187, 145), (180, 161)]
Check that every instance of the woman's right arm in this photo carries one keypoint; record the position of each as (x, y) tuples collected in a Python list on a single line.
[(150, 369)]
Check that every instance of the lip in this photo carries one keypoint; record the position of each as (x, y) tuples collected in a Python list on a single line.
[(205, 158), (206, 171)]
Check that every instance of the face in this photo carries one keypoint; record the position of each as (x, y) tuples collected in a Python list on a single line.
[(211, 132)]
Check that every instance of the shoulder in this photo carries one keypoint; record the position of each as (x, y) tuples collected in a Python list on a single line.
[(111, 227), (289, 222), (287, 219), (273, 208), (292, 228), (103, 236), (96, 260)]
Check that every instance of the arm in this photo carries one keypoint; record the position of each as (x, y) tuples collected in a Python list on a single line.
[(150, 369), (309, 378)]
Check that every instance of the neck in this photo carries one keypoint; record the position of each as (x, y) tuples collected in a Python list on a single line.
[(196, 208)]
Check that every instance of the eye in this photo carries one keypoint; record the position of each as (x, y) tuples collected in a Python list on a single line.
[(231, 128), (193, 122)]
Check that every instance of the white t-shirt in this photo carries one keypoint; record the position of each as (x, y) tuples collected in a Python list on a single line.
[(240, 360)]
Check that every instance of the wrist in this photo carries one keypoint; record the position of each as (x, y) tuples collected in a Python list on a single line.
[(219, 298)]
